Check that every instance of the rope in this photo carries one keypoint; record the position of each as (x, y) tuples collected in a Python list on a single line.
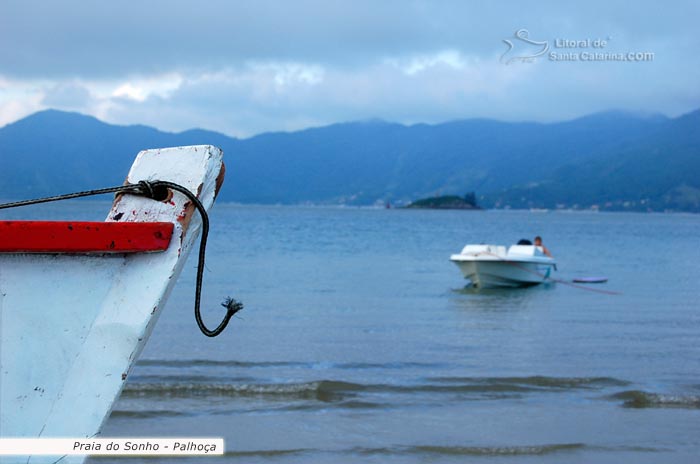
[(150, 189), (559, 281)]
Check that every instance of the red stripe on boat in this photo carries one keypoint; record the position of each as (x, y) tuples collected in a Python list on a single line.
[(83, 237)]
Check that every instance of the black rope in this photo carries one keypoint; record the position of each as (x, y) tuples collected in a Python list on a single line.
[(232, 306), (150, 189)]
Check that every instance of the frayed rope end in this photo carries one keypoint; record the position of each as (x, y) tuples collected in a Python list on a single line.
[(232, 305)]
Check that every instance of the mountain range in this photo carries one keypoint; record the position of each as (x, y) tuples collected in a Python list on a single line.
[(607, 161)]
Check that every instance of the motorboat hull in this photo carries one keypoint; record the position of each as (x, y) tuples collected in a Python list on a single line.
[(485, 274), (488, 266)]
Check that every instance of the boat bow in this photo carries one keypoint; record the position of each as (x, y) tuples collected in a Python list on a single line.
[(72, 322)]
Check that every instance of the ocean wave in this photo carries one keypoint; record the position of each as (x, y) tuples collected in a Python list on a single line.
[(432, 451), (642, 399), (266, 453), (193, 378), (538, 382), (323, 390), (531, 450), (217, 363), (180, 363), (536, 450), (436, 451), (132, 414), (339, 390)]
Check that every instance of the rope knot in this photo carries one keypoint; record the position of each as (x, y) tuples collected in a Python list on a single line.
[(145, 188)]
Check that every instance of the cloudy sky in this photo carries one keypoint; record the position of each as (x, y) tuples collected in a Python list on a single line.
[(245, 67)]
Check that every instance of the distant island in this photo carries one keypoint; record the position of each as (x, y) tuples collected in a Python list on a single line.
[(468, 201)]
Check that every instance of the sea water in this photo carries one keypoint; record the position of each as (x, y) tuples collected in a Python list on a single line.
[(360, 343)]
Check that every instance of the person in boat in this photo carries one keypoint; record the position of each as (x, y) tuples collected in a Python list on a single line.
[(538, 243)]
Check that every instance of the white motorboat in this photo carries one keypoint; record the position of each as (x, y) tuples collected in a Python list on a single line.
[(79, 300), (494, 266)]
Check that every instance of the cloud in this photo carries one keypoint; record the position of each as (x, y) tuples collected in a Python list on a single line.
[(291, 96), (17, 100), (74, 38), (247, 67), (416, 64), (140, 89), (67, 95)]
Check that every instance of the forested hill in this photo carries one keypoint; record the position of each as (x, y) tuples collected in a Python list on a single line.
[(613, 161)]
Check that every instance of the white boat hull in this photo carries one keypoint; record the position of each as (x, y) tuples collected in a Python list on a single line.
[(487, 266), (485, 274), (71, 326)]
